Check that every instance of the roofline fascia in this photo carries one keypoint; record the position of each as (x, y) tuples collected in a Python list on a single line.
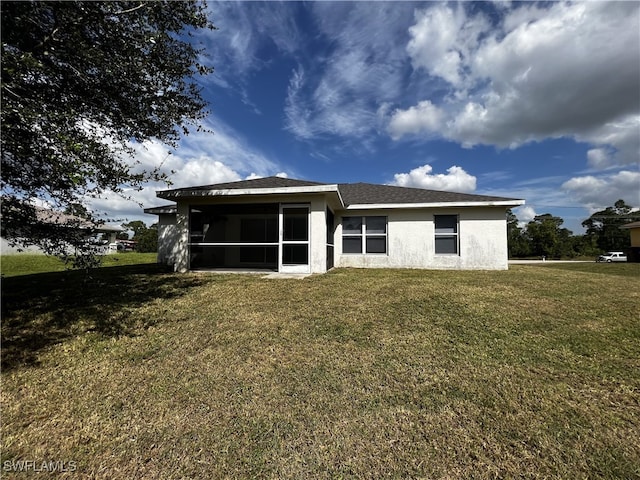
[(342, 204), (383, 206), (629, 226), (110, 228), (172, 194), (160, 210)]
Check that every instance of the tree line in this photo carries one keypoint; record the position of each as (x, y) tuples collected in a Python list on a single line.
[(545, 236)]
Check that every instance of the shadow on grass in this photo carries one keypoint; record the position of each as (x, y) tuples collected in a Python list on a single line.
[(43, 309)]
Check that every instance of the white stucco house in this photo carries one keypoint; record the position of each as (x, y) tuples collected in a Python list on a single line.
[(297, 226)]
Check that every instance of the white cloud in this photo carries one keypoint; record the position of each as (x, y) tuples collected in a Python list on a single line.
[(599, 158), (298, 116), (543, 195), (568, 70), (234, 46), (203, 171), (188, 172), (442, 40), (254, 176), (202, 158), (605, 190), (424, 117), (524, 72), (228, 146), (455, 180), (618, 142), (340, 91), (525, 214)]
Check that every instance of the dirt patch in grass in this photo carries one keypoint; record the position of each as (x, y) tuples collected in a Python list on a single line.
[(530, 373)]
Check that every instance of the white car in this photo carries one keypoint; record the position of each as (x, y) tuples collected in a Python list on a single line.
[(612, 257)]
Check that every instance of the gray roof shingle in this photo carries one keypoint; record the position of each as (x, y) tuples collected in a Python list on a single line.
[(368, 193), (266, 182), (351, 193)]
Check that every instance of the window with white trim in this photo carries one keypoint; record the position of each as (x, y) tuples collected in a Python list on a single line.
[(446, 234), (364, 235)]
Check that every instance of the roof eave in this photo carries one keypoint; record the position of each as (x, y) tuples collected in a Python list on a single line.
[(109, 228), (630, 226), (175, 194), (381, 206), (160, 210)]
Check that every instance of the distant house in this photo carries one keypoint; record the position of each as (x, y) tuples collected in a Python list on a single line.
[(298, 226), (634, 228), (80, 229)]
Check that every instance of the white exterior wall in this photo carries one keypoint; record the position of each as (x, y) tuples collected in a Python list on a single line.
[(483, 239), (7, 249), (180, 251), (167, 238), (410, 237), (411, 240), (318, 236)]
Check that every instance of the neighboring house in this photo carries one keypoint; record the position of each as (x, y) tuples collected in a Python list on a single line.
[(634, 228), (298, 226), (633, 255), (80, 228)]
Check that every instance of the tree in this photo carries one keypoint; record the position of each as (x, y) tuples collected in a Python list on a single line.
[(146, 237), (136, 226), (81, 83), (78, 210), (585, 246), (516, 239), (547, 238), (603, 227)]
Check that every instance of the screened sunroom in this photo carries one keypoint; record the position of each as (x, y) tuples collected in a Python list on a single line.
[(249, 236)]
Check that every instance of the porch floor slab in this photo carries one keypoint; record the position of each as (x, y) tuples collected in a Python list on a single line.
[(278, 275)]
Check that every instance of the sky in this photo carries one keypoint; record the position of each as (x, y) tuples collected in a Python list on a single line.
[(536, 101)]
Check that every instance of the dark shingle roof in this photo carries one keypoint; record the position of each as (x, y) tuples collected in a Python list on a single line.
[(266, 182), (368, 193), (351, 193)]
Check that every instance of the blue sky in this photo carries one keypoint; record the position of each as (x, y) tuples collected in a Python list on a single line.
[(539, 101)]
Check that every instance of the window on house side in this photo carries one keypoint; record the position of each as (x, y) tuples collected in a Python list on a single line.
[(446, 238), (364, 235)]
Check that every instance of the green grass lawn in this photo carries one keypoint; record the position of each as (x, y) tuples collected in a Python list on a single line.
[(26, 264), (139, 373)]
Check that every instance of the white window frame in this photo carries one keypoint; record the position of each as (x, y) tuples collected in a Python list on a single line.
[(455, 235), (363, 235), (293, 268)]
